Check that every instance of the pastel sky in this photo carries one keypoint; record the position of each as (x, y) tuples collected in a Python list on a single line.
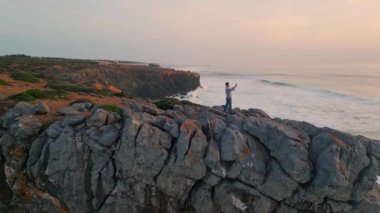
[(241, 34)]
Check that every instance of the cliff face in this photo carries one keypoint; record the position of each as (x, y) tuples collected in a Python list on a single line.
[(189, 159), (136, 80)]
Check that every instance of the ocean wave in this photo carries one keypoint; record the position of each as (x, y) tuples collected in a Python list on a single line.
[(194, 94), (216, 73), (277, 83), (354, 76), (321, 91)]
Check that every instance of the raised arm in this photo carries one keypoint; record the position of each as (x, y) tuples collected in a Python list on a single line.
[(233, 88)]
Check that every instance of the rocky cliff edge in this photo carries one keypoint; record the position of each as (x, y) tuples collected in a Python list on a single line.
[(189, 159)]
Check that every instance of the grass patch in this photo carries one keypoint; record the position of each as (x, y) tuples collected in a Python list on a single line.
[(34, 94), (24, 76), (169, 103), (4, 83), (112, 108)]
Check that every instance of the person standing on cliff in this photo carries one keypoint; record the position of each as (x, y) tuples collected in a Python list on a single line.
[(228, 106)]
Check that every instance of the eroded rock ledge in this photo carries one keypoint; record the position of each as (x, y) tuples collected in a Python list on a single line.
[(190, 159)]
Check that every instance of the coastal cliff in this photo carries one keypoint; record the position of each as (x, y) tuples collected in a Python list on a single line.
[(132, 78), (188, 158), (136, 80)]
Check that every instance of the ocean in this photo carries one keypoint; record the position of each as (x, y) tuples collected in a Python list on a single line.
[(347, 102)]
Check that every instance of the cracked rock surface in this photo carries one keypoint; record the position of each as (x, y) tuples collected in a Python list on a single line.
[(190, 159)]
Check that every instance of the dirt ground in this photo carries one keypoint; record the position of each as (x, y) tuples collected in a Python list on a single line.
[(54, 105)]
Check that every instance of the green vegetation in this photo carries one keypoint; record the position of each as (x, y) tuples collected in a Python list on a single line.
[(169, 103), (4, 83), (23, 62), (24, 76), (112, 108), (34, 94)]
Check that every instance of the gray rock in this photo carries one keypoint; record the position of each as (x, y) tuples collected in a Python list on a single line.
[(255, 113), (201, 199), (211, 179), (8, 118), (139, 157), (102, 117), (2, 133), (338, 161), (167, 161), (97, 119), (370, 204), (235, 121), (255, 166), (7, 142), (339, 206), (237, 197), (113, 118), (152, 109), (286, 209), (190, 111), (233, 145), (287, 145), (72, 120), (213, 156), (277, 185), (25, 127), (82, 107), (24, 108), (68, 110), (41, 109), (218, 127), (109, 135), (55, 129), (187, 164), (137, 107), (35, 153), (166, 124)]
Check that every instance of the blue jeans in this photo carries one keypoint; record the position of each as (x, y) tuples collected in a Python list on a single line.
[(228, 105)]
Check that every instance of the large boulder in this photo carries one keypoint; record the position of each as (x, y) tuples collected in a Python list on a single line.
[(287, 145)]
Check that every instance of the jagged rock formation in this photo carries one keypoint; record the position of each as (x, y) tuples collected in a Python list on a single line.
[(189, 159)]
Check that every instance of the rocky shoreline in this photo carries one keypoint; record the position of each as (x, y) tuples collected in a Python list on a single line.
[(187, 159)]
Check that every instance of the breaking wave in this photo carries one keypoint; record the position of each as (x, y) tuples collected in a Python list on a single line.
[(321, 91)]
